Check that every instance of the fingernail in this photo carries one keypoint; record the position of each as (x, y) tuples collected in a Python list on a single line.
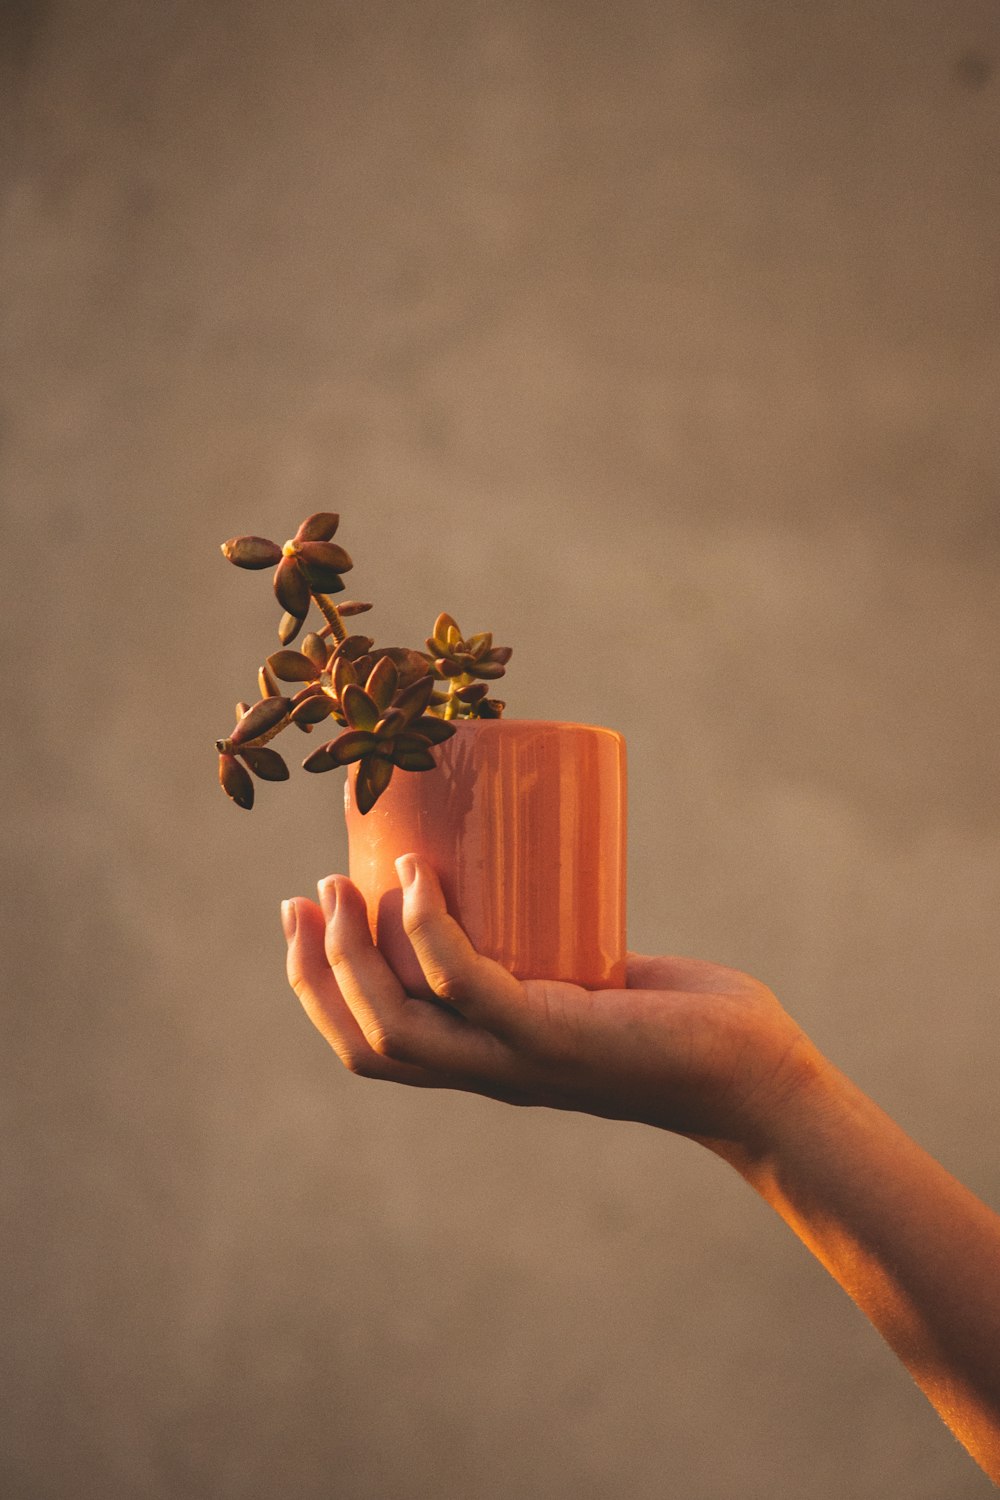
[(406, 869), (328, 897), (288, 919)]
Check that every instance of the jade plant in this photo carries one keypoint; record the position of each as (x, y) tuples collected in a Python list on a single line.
[(386, 699)]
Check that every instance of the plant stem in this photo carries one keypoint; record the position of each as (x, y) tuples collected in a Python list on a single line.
[(451, 709), (332, 616), (226, 747)]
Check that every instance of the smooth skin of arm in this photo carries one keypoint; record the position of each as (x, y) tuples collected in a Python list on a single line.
[(706, 1052)]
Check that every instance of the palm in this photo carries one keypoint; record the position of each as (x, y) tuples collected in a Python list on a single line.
[(687, 1045)]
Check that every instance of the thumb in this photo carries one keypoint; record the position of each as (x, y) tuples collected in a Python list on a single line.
[(477, 987)]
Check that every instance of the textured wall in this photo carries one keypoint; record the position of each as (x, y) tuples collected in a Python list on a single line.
[(663, 340)]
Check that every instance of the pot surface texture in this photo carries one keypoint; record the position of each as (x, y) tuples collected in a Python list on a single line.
[(525, 823)]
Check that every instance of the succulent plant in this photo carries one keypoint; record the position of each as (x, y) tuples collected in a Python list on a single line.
[(385, 699)]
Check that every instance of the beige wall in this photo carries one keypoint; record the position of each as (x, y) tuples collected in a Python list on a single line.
[(662, 340)]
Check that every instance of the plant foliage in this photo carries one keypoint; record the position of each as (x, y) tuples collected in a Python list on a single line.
[(386, 699)]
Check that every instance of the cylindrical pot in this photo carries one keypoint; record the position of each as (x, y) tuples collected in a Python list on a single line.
[(525, 823)]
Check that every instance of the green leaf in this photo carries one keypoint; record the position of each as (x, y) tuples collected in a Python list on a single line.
[(382, 683), (343, 675), (359, 710)]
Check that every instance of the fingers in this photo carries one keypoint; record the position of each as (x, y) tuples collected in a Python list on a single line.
[(312, 979), (315, 984), (396, 1027), (481, 990)]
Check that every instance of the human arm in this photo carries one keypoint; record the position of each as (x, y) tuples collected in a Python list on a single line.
[(706, 1052)]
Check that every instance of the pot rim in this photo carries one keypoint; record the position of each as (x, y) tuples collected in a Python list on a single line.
[(508, 722)]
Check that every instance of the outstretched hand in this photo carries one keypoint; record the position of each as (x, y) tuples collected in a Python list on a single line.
[(689, 1046), (709, 1053)]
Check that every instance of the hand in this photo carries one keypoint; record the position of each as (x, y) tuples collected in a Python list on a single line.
[(689, 1046)]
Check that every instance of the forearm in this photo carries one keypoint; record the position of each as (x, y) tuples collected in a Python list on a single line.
[(917, 1252)]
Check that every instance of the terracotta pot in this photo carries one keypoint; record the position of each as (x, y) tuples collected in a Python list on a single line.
[(525, 823)]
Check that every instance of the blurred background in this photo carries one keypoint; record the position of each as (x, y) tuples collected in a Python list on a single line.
[(662, 340)]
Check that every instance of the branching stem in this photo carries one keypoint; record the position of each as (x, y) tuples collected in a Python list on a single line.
[(331, 614), (226, 747), (451, 708)]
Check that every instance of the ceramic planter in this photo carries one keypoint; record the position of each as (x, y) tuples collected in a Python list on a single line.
[(525, 823)]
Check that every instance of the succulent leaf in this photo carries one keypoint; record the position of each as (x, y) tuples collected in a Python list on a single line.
[(292, 666), (501, 654), (473, 692), (490, 708), (291, 588), (235, 781), (316, 649), (313, 710), (413, 700), (268, 687), (352, 607), (412, 760), (410, 665), (343, 675), (241, 709), (382, 682), (288, 628), (320, 759), (442, 625), (489, 669), (390, 724), (319, 527), (374, 775), (329, 555), (251, 552), (360, 711), (321, 580), (351, 746), (353, 647), (410, 740), (265, 763), (262, 717), (433, 729)]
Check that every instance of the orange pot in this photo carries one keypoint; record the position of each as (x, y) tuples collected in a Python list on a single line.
[(525, 823)]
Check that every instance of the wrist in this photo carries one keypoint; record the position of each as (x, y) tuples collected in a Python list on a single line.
[(797, 1106)]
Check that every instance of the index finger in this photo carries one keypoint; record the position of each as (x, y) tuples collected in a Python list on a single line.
[(477, 987), (395, 1025)]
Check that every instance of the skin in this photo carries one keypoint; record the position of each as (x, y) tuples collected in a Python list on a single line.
[(705, 1052)]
